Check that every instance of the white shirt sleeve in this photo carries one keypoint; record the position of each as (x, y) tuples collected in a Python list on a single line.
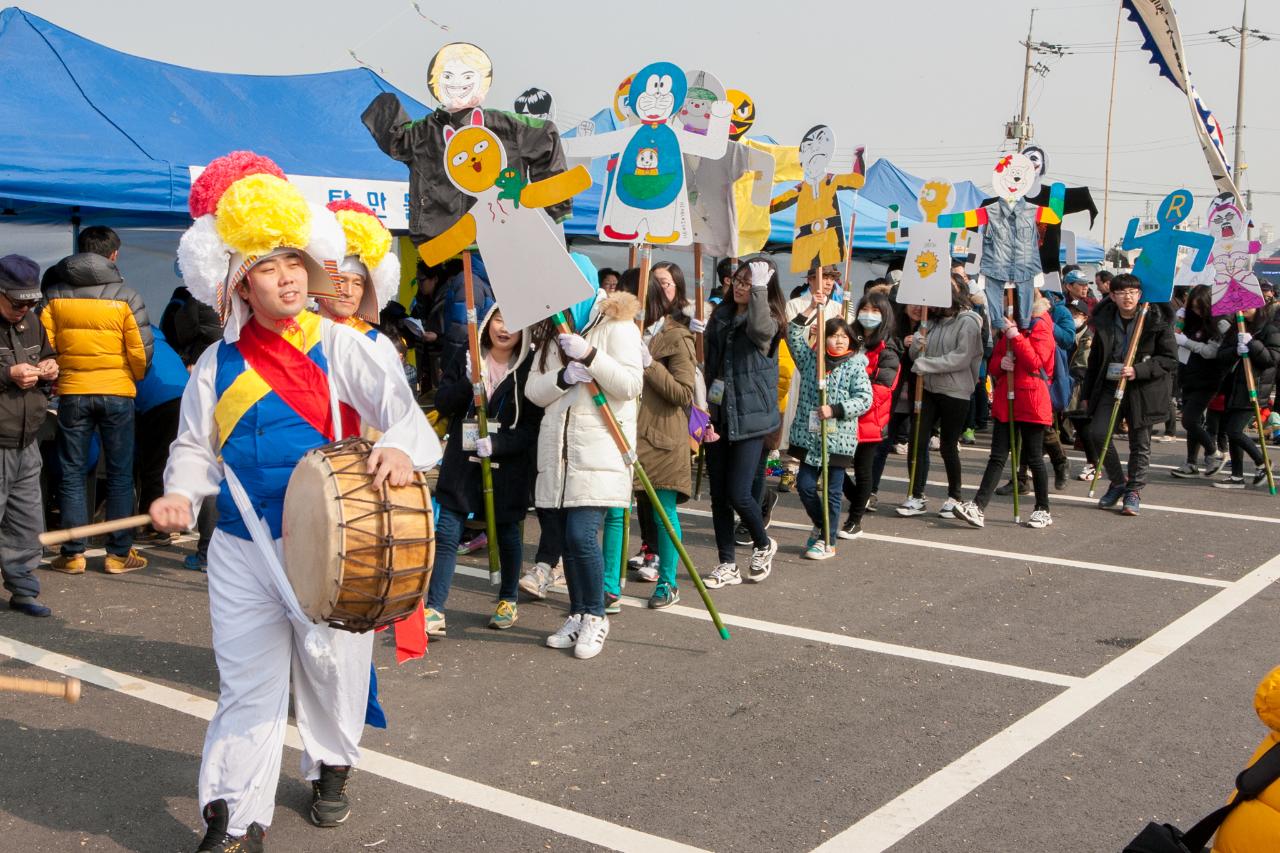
[(193, 469), (381, 396)]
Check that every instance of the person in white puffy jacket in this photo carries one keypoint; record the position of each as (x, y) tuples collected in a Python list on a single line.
[(581, 473)]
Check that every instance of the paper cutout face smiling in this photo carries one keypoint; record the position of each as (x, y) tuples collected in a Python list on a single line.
[(1013, 177), (704, 90), (744, 113), (474, 157), (935, 199), (657, 92), (459, 76), (817, 147)]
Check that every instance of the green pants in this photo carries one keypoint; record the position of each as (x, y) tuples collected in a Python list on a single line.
[(615, 560)]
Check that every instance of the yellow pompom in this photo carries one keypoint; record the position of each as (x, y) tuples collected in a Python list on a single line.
[(1266, 701), (367, 238), (260, 213)]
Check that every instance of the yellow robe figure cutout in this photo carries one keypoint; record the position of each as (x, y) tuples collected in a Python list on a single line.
[(819, 230), (531, 274), (754, 226)]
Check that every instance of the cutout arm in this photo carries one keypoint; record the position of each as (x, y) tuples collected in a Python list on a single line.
[(453, 240)]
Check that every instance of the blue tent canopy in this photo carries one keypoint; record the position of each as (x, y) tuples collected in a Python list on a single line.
[(93, 127)]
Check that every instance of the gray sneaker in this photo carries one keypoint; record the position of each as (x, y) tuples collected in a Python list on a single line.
[(1185, 470), (762, 562), (725, 574), (536, 579)]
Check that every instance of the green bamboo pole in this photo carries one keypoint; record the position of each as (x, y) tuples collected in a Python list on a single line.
[(917, 406), (564, 326), (1115, 406), (482, 417), (1257, 409), (824, 473), (1011, 316)]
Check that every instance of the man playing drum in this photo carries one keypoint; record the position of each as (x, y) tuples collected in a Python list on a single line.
[(282, 382)]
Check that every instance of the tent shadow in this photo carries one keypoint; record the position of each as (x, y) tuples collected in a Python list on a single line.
[(93, 785)]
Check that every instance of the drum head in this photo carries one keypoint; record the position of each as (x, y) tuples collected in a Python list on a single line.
[(312, 538)]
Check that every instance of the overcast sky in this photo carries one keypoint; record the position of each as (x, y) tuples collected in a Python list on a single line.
[(926, 83)]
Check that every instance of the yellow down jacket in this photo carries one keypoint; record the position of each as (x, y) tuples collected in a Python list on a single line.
[(97, 325), (1254, 825)]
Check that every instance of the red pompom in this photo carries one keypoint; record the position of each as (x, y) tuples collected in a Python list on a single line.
[(350, 204), (207, 189)]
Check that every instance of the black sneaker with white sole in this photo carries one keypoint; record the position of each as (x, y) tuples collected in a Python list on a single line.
[(329, 806), (741, 535), (851, 529), (218, 840), (762, 562)]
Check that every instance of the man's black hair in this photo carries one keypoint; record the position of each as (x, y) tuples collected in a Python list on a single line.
[(100, 240)]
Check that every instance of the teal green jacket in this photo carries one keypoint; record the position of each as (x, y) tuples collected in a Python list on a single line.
[(848, 394)]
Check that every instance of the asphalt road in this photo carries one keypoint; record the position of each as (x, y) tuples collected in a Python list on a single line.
[(891, 698)]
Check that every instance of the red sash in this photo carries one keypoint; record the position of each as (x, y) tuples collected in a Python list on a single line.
[(296, 379)]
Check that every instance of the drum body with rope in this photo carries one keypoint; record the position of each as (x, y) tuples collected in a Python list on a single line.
[(357, 558)]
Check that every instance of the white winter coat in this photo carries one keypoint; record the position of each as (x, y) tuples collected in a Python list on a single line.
[(578, 462)]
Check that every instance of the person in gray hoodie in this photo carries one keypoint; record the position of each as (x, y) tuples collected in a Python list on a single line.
[(947, 352)]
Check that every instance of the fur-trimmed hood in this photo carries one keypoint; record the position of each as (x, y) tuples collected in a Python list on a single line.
[(619, 305)]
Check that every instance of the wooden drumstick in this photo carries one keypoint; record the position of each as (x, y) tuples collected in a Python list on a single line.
[(57, 537), (68, 689)]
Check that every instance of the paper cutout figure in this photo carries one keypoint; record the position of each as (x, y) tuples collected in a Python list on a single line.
[(460, 73), (754, 226), (744, 113), (646, 199), (713, 200), (1075, 200), (926, 273), (459, 76), (1157, 264), (819, 230), (1010, 244), (531, 274), (1235, 287), (536, 103)]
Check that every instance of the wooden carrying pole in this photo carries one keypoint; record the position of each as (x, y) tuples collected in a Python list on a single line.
[(1119, 396), (84, 531), (564, 326), (68, 689), (480, 399), (820, 317), (1011, 316), (1257, 408), (699, 297), (642, 287), (916, 406)]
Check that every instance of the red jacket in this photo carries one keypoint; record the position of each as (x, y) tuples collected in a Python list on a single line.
[(1033, 353), (871, 425)]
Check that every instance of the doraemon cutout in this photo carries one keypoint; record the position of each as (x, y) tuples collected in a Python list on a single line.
[(459, 76), (1157, 264), (926, 274), (744, 113), (647, 201), (535, 103), (1010, 239), (819, 229), (507, 224)]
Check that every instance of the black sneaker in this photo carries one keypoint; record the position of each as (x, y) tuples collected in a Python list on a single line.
[(741, 535), (216, 839), (329, 806), (766, 510), (663, 597), (1024, 487), (1259, 476), (612, 604), (851, 529), (873, 502), (1061, 474)]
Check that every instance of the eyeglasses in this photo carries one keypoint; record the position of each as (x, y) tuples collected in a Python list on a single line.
[(745, 284)]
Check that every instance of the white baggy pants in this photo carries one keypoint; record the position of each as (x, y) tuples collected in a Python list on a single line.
[(257, 647)]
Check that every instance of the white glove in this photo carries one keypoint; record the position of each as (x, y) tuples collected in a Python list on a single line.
[(1007, 362), (697, 326), (574, 346), (575, 372), (586, 128), (760, 274), (484, 447), (467, 369), (1180, 338), (1242, 344), (721, 109), (646, 358)]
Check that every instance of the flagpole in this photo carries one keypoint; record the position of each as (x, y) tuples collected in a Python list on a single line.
[(1111, 106)]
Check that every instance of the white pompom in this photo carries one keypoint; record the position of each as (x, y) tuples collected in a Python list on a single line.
[(386, 279), (203, 260), (328, 240)]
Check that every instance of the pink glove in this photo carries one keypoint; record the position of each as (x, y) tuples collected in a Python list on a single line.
[(1006, 363)]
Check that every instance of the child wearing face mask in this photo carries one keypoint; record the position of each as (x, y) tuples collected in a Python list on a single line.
[(873, 325), (849, 396)]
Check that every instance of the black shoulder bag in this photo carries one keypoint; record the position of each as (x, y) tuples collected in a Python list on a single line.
[(1165, 838)]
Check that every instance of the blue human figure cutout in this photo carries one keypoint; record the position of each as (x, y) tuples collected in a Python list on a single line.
[(1158, 262)]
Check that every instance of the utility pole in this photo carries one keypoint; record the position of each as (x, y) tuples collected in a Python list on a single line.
[(1020, 129), (1244, 44), (1024, 130)]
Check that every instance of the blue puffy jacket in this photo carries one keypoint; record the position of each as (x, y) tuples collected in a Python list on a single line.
[(166, 377)]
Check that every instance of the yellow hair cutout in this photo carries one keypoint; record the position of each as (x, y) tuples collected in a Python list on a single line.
[(367, 238), (260, 213), (468, 54)]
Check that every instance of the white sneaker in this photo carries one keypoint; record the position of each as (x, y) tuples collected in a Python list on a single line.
[(900, 449), (1040, 518), (971, 513), (725, 574), (536, 579), (912, 506), (567, 636), (591, 637), (762, 562), (1213, 463), (647, 571), (1086, 473), (948, 509), (819, 550), (935, 443), (557, 575)]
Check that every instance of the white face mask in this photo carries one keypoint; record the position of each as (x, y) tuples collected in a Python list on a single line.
[(1079, 321)]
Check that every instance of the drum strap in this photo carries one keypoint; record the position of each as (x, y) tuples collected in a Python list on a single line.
[(317, 643)]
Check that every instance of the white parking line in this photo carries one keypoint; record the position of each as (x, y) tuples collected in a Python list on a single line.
[(1009, 555), (554, 818), (1079, 460), (1081, 499), (902, 815), (860, 643)]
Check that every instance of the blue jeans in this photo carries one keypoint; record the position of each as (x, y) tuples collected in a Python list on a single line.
[(111, 416), (807, 487), (579, 529), (448, 533)]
